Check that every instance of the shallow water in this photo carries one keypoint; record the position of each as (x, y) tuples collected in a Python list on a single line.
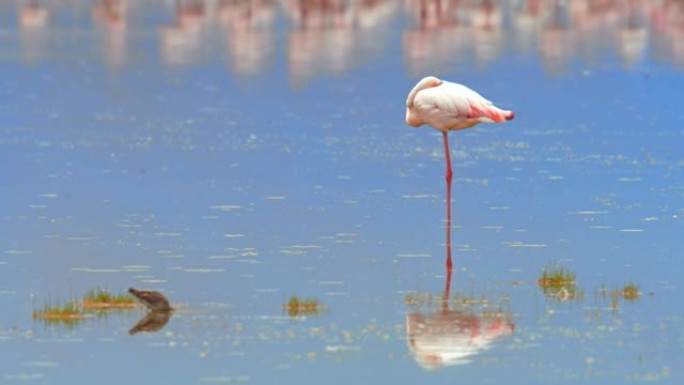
[(230, 158)]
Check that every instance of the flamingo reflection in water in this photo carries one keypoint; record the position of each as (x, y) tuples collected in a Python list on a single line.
[(453, 336)]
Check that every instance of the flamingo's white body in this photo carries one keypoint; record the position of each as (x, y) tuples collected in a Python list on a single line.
[(449, 106)]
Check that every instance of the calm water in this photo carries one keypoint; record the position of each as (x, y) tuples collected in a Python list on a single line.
[(232, 154)]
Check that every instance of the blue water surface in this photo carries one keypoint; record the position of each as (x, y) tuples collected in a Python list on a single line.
[(232, 154)]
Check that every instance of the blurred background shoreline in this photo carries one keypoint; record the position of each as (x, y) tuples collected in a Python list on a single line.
[(319, 37)]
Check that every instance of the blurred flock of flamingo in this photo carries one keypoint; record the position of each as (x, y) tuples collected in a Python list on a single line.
[(330, 36)]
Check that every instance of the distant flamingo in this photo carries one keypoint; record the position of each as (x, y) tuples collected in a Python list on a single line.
[(449, 106)]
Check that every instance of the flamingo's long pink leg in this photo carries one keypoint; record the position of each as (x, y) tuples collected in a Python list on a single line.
[(445, 136)]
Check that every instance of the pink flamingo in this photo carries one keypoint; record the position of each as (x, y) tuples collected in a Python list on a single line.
[(449, 106)]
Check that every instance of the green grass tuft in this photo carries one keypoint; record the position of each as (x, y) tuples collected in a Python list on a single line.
[(70, 312), (103, 299)]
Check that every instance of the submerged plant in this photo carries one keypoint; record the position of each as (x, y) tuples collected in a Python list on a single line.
[(103, 299), (299, 306)]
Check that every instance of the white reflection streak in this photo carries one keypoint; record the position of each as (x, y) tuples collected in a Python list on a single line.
[(250, 35)]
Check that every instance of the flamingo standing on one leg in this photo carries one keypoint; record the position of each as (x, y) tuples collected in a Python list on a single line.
[(450, 106)]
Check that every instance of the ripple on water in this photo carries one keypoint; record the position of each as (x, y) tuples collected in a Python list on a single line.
[(523, 244), (413, 255), (274, 198), (202, 270), (41, 364), (18, 252), (224, 379), (226, 208), (168, 235), (221, 257), (95, 270), (419, 196), (233, 235)]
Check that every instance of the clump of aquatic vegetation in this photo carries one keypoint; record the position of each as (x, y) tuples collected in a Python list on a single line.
[(73, 311), (559, 283), (630, 291), (556, 277), (70, 312), (296, 306), (103, 299)]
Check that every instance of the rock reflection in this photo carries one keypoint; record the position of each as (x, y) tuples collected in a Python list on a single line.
[(457, 331), (152, 322)]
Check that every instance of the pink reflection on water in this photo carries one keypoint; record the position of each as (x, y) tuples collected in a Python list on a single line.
[(439, 37), (328, 37), (454, 333), (557, 40), (112, 15), (453, 337), (321, 38), (33, 21), (250, 36), (669, 22), (181, 41), (450, 32)]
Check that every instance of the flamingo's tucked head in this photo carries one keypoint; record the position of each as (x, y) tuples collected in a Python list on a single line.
[(424, 83)]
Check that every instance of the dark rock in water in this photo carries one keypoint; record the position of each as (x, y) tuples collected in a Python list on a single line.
[(154, 300)]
